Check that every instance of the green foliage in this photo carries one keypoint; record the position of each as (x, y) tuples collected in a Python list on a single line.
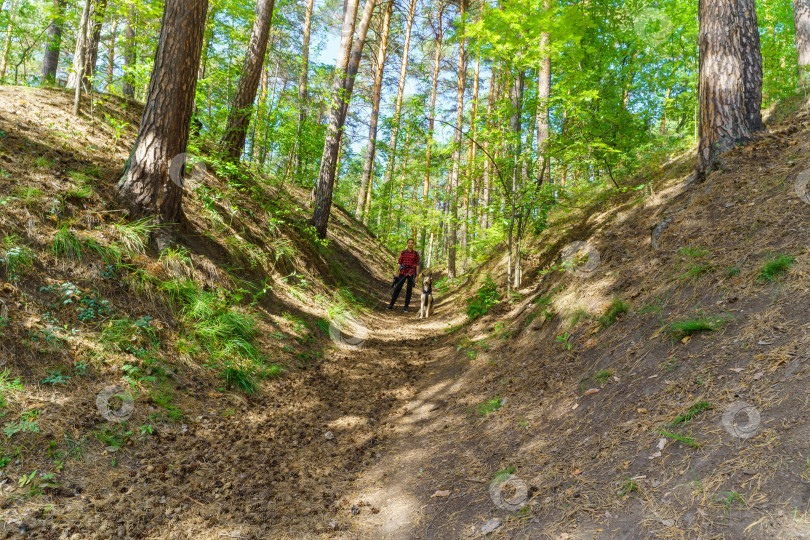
[(775, 267), (564, 341), (26, 424), (55, 376), (486, 297)]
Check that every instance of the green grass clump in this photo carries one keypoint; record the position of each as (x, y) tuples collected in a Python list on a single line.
[(492, 405), (135, 235), (775, 266), (685, 439), (693, 411), (730, 499), (616, 308), (688, 327), (110, 254), (601, 377), (115, 436), (503, 475), (693, 252), (163, 398), (28, 195), (225, 331), (627, 486), (8, 384), (697, 270), (66, 245), (486, 297), (44, 162), (16, 259), (129, 336), (80, 192)]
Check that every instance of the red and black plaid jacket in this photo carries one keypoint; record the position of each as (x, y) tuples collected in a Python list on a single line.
[(410, 261)]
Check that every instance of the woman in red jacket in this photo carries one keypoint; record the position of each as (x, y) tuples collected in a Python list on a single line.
[(407, 270)]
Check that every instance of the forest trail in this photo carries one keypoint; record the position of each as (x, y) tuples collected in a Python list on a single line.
[(614, 427), (193, 462)]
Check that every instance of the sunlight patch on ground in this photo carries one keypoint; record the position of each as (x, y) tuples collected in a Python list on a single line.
[(348, 422)]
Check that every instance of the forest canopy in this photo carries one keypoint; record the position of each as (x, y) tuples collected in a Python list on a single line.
[(456, 123)]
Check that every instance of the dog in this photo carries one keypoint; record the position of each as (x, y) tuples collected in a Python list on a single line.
[(427, 297)]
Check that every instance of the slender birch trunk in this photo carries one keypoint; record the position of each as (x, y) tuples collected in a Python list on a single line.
[(303, 98), (403, 70)]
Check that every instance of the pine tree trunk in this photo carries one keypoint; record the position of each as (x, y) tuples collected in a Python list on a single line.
[(233, 142), (371, 147), (543, 94), (456, 157), (752, 65), (146, 187), (403, 71), (721, 86), (130, 55), (801, 21), (437, 59), (111, 56), (341, 95), (53, 44), (303, 98)]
